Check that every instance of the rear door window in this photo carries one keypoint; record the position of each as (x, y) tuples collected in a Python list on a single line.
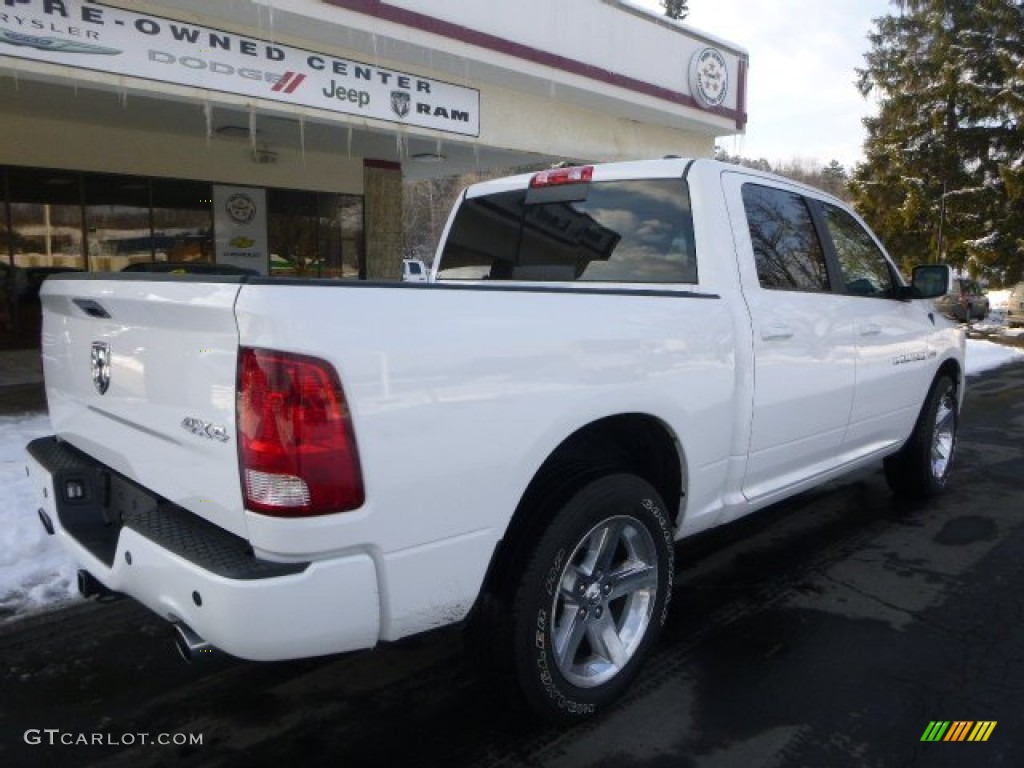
[(787, 252), (636, 231)]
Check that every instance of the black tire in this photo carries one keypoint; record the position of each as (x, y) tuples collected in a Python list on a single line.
[(922, 466), (574, 596)]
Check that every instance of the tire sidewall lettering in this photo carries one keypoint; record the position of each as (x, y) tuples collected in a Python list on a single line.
[(547, 681), (553, 573), (665, 528), (548, 677)]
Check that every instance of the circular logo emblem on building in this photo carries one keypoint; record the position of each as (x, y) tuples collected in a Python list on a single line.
[(709, 78), (241, 208)]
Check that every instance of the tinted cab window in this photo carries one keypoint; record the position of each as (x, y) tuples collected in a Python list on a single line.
[(864, 268), (787, 251), (620, 231), (787, 231)]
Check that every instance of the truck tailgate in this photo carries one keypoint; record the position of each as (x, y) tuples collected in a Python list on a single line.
[(140, 374)]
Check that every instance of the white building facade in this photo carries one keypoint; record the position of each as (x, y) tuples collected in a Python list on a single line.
[(274, 134)]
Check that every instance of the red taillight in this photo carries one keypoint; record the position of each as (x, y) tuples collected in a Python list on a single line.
[(579, 174), (296, 445)]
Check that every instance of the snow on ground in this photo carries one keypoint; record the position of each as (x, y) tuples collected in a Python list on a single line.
[(985, 355), (995, 323), (998, 300), (35, 572)]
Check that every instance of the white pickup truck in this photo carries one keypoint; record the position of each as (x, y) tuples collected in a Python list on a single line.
[(620, 356)]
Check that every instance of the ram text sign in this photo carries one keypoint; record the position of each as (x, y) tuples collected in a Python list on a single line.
[(107, 39)]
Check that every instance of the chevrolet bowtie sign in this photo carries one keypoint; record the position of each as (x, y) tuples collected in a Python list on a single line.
[(107, 39)]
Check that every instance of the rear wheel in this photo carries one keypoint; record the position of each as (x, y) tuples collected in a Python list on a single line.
[(922, 466), (590, 602)]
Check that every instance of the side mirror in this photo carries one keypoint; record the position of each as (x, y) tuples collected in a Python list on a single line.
[(930, 281)]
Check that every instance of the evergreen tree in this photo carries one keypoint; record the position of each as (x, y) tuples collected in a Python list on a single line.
[(943, 178), (835, 171), (676, 9)]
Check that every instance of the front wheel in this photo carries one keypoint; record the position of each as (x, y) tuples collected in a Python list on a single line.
[(592, 599), (922, 466)]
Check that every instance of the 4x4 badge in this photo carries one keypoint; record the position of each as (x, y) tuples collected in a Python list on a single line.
[(101, 366)]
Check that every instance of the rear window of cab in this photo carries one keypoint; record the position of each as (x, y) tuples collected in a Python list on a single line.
[(633, 231)]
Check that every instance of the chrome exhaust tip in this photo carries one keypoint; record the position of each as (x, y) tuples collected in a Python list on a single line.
[(189, 645)]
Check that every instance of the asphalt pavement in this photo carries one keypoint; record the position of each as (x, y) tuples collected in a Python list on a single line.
[(830, 630)]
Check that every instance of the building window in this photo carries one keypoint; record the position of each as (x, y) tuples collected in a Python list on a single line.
[(45, 219), (182, 220), (315, 234), (104, 222), (117, 220), (56, 220)]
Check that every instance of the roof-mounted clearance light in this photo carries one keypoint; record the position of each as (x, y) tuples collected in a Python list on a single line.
[(578, 174)]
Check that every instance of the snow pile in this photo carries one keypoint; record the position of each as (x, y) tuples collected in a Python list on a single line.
[(985, 355), (998, 300), (34, 570), (996, 320)]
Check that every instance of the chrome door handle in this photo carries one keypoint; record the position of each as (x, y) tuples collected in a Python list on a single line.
[(870, 329)]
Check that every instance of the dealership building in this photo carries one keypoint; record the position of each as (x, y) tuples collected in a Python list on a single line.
[(275, 134)]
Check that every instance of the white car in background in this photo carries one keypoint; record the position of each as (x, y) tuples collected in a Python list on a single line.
[(414, 271)]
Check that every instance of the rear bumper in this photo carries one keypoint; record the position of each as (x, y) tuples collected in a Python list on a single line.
[(188, 570)]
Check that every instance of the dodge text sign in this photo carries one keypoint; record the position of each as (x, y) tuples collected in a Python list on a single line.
[(106, 39)]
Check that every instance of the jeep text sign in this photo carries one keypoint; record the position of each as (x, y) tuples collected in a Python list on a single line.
[(112, 40)]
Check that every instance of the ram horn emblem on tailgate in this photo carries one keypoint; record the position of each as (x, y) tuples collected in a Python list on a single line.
[(101, 366)]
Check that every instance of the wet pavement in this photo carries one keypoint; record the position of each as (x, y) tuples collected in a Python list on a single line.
[(826, 631)]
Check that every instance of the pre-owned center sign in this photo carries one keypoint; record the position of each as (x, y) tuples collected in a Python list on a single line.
[(107, 39)]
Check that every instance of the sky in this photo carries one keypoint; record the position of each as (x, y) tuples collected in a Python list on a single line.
[(802, 100)]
